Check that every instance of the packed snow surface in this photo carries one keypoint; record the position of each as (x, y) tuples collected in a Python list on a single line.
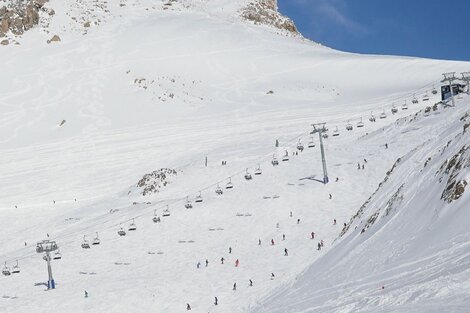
[(135, 87)]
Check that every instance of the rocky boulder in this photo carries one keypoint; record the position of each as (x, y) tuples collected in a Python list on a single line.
[(54, 38), (266, 12), (20, 16), (153, 182)]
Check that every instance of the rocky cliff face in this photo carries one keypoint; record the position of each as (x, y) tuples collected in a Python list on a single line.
[(20, 16), (266, 12)]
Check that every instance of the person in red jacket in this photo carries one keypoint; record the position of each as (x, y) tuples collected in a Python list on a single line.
[(237, 263)]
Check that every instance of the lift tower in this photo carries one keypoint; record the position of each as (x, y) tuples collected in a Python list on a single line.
[(47, 246), (321, 129)]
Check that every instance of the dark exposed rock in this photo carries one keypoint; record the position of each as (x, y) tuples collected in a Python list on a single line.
[(153, 182), (454, 189), (266, 12), (20, 16), (54, 38)]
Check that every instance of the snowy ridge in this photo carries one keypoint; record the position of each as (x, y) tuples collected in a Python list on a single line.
[(405, 238)]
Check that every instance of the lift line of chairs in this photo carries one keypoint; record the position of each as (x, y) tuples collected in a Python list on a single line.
[(248, 176), (219, 191)]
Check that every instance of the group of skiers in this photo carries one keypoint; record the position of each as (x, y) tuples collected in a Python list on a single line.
[(237, 261)]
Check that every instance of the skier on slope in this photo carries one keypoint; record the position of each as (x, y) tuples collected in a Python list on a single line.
[(229, 250), (198, 265), (272, 276), (222, 260), (188, 307), (334, 221), (283, 237), (313, 235), (251, 283), (216, 301), (237, 262), (234, 286), (298, 221), (86, 294), (272, 242), (285, 252), (319, 246), (207, 262), (259, 242)]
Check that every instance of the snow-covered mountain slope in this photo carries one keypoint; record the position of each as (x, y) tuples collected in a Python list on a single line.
[(142, 71), (137, 86), (407, 247)]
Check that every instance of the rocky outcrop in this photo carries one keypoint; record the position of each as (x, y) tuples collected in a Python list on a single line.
[(266, 12), (455, 187), (20, 16), (153, 182), (54, 38)]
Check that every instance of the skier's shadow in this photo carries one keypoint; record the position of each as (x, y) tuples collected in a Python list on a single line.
[(313, 177)]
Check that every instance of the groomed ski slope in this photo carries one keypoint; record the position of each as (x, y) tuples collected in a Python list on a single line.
[(116, 131), (406, 249)]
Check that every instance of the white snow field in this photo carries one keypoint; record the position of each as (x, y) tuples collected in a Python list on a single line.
[(150, 86)]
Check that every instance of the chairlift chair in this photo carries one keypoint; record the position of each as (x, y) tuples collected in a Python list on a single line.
[(285, 158), (16, 268), (198, 198), (85, 244), (96, 241), (188, 204), (132, 226), (434, 91), (394, 109), (415, 100), (121, 232), (383, 115), (166, 212), (57, 255), (300, 146), (349, 126), (219, 190), (311, 143), (325, 135), (258, 171), (229, 185), (248, 175), (426, 97), (6, 270), (274, 161), (360, 124), (336, 132), (404, 106), (372, 117)]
